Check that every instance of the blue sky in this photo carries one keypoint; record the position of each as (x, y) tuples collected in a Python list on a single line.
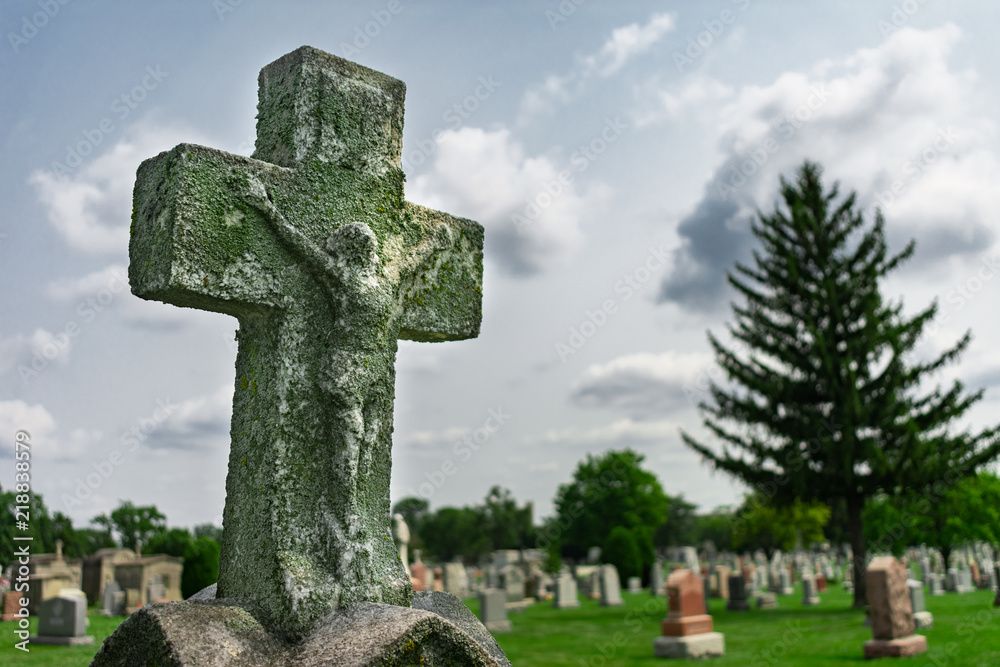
[(614, 152)]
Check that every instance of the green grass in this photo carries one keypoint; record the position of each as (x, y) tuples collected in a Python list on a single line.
[(966, 633)]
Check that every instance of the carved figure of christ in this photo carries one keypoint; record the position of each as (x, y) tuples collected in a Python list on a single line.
[(311, 246)]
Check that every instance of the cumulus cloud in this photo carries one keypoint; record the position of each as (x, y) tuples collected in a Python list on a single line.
[(624, 44), (43, 432), (28, 354), (893, 122), (91, 206), (196, 423), (644, 384), (530, 207)]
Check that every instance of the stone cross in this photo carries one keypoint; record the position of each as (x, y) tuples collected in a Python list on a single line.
[(310, 245)]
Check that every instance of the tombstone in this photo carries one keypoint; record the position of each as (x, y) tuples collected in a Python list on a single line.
[(505, 557), (934, 586), (311, 246), (62, 621), (767, 600), (113, 599), (594, 585), (737, 594), (690, 558), (921, 617), (820, 583), (634, 585), (13, 606), (594, 555), (493, 610), (996, 572), (965, 581), (565, 597), (687, 630), (722, 577), (418, 572), (611, 590), (951, 581), (809, 596), (401, 533), (155, 590), (455, 580), (786, 582), (513, 582), (891, 612), (656, 581)]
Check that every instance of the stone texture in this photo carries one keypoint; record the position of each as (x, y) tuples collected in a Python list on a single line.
[(706, 645), (895, 648), (889, 599), (437, 630), (310, 245)]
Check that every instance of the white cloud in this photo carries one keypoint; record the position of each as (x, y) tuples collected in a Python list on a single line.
[(195, 423), (111, 278), (91, 206), (624, 44), (21, 349), (645, 383), (619, 433), (893, 116), (43, 432), (486, 176)]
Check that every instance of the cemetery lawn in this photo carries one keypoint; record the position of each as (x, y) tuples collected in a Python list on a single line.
[(966, 633)]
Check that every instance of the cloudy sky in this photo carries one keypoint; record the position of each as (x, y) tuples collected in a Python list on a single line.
[(614, 152)]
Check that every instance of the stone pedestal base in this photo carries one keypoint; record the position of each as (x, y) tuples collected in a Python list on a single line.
[(738, 605), (516, 607), (923, 619), (767, 601), (61, 641), (566, 604), (705, 645), (895, 648), (808, 602), (687, 625), (437, 629)]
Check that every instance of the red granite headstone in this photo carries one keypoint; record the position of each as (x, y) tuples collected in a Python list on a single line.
[(891, 611), (685, 605), (11, 605)]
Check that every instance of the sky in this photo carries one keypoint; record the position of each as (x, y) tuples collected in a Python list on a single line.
[(615, 154)]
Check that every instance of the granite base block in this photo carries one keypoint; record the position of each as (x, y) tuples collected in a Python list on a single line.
[(499, 626), (895, 648), (705, 645), (738, 605), (437, 629), (61, 641), (687, 625), (923, 619)]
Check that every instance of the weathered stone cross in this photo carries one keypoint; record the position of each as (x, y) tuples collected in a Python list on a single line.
[(311, 246)]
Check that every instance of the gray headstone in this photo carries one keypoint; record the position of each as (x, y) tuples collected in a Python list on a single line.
[(311, 246), (566, 593), (656, 581), (456, 580), (767, 601), (63, 616), (113, 599), (593, 555), (634, 585), (809, 594), (155, 590), (493, 610), (786, 582), (513, 581), (737, 594), (611, 593)]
